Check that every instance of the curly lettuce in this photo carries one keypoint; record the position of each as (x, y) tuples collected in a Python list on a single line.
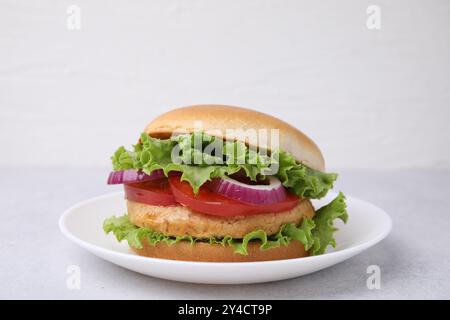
[(315, 234), (324, 224), (197, 166)]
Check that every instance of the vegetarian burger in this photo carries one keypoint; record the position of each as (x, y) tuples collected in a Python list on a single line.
[(223, 184)]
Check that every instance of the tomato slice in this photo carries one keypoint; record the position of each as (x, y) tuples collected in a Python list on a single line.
[(154, 193), (208, 202)]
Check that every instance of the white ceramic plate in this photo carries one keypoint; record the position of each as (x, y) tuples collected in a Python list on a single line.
[(82, 224)]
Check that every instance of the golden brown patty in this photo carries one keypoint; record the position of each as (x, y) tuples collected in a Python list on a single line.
[(180, 221)]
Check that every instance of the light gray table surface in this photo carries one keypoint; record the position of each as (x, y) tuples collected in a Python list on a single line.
[(34, 255)]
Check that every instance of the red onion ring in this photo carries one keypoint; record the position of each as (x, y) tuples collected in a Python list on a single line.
[(133, 176), (256, 194)]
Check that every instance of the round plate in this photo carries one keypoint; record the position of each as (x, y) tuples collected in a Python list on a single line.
[(82, 224)]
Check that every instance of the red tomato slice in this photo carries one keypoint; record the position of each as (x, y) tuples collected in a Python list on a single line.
[(215, 204), (154, 193)]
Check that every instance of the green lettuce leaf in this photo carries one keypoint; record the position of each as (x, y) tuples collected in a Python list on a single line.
[(303, 181), (324, 229), (303, 234), (315, 234), (197, 167), (123, 229)]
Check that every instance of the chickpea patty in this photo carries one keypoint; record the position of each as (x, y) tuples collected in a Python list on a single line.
[(181, 221)]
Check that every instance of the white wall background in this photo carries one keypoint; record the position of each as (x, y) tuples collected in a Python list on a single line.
[(368, 98)]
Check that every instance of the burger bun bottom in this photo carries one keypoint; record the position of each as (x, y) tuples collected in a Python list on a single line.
[(205, 252)]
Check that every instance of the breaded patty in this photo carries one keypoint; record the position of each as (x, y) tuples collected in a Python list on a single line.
[(181, 221)]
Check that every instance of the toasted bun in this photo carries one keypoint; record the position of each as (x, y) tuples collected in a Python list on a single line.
[(220, 117), (205, 252)]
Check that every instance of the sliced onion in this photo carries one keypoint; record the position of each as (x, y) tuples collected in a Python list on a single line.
[(256, 194), (133, 176)]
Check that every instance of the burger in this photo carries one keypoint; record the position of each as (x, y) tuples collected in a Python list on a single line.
[(218, 183)]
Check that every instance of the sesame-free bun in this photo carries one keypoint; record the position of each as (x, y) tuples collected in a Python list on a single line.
[(214, 118), (205, 252)]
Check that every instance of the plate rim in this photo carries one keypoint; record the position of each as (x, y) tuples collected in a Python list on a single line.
[(86, 245)]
